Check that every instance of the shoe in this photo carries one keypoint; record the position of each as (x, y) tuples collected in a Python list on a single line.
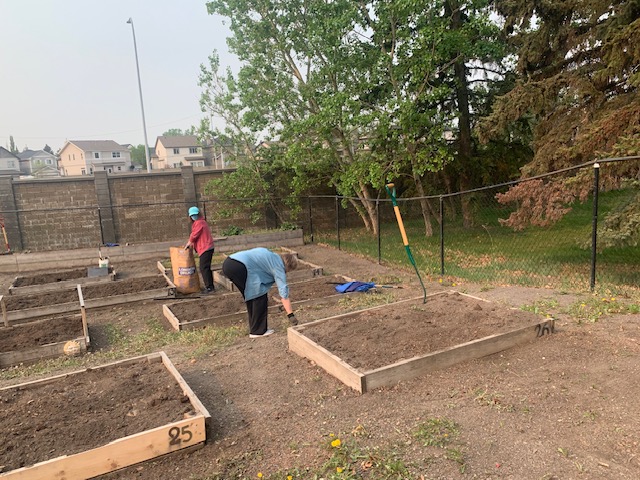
[(207, 291), (265, 334)]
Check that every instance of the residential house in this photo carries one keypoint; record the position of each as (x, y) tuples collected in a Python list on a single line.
[(38, 163), (9, 163), (175, 151), (84, 157)]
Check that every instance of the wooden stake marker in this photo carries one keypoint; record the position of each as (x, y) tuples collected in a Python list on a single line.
[(363, 381)]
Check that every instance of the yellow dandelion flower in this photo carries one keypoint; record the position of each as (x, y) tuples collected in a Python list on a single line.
[(339, 469), (440, 280), (613, 299), (259, 474), (336, 443), (331, 435), (289, 477)]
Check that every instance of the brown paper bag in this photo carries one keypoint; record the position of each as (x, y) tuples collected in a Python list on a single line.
[(185, 273)]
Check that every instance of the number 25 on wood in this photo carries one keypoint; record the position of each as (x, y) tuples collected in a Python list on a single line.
[(178, 435)]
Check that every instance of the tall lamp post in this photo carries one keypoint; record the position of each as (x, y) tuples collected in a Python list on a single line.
[(144, 124)]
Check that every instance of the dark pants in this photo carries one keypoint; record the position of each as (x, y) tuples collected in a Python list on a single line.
[(256, 308), (205, 269)]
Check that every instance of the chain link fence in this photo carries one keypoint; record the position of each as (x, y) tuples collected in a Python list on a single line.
[(477, 235), (564, 240)]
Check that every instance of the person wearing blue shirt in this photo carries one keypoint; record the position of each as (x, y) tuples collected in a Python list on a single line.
[(254, 272)]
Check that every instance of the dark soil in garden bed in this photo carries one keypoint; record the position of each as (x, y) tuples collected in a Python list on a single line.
[(85, 411), (102, 290), (413, 329), (53, 277), (43, 332)]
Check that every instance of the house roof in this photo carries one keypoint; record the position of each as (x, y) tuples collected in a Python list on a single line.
[(99, 145), (178, 141), (4, 153), (27, 154)]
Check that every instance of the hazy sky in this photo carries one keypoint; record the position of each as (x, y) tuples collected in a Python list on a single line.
[(68, 71)]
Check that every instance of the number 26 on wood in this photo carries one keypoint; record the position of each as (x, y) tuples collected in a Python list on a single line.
[(179, 435)]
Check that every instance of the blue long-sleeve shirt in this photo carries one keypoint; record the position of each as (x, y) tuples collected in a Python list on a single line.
[(264, 268)]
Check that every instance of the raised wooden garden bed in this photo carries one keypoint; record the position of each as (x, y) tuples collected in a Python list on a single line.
[(61, 280), (384, 345), (20, 308), (43, 339), (94, 421), (229, 309)]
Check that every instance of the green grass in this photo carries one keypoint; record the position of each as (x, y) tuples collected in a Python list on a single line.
[(558, 256)]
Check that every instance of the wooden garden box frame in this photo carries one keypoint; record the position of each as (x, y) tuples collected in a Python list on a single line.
[(63, 285), (364, 381), (28, 314), (178, 324), (189, 433), (50, 350)]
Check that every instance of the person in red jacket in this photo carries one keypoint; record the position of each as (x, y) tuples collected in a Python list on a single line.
[(202, 242)]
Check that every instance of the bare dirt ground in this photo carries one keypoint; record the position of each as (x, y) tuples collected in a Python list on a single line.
[(564, 406)]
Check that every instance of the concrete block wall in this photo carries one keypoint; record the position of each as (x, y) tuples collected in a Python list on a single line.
[(56, 214), (149, 208), (82, 212)]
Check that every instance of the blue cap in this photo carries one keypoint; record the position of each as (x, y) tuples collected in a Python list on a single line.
[(194, 211)]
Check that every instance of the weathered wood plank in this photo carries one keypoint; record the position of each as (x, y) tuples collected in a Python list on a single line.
[(35, 354), (344, 372), (64, 285), (418, 366)]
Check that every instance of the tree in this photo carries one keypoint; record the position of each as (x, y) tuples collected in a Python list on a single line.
[(12, 145), (138, 156), (173, 132), (579, 79), (354, 93)]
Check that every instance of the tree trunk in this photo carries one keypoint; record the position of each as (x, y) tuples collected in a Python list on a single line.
[(464, 121), (424, 206)]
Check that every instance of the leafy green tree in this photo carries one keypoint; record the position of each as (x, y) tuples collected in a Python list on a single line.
[(12, 145), (354, 93), (138, 157), (174, 132)]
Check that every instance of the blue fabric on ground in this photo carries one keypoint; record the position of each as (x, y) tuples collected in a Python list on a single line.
[(354, 287)]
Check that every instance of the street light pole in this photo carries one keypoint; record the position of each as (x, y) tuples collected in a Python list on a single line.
[(144, 124)]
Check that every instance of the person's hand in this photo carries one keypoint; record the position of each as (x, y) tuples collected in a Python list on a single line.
[(186, 247), (292, 319)]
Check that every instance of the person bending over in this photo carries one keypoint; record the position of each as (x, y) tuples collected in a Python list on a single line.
[(254, 272)]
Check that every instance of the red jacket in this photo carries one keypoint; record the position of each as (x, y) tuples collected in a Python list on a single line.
[(200, 237)]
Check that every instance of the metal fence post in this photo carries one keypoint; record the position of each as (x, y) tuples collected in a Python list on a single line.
[(100, 223), (378, 228), (594, 225), (441, 235), (310, 218), (338, 222)]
